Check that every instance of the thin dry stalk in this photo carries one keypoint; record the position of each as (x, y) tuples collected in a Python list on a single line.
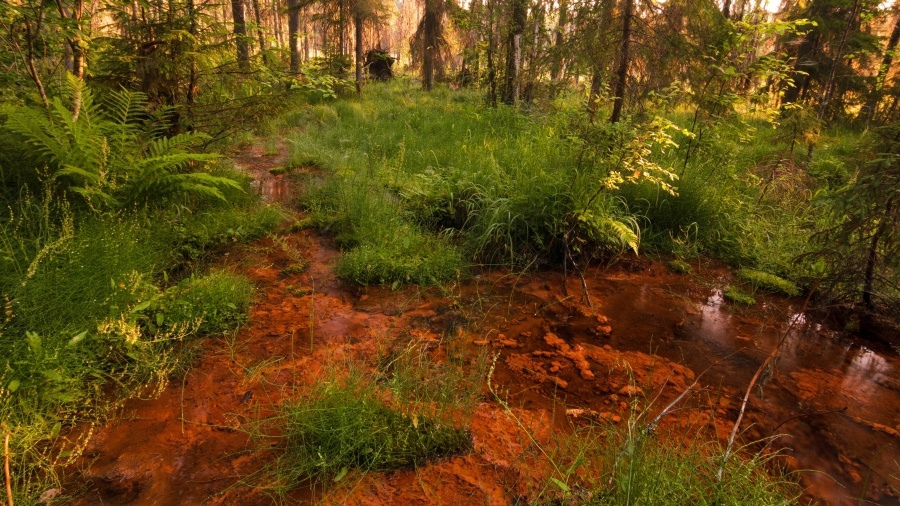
[(763, 367), (9, 494)]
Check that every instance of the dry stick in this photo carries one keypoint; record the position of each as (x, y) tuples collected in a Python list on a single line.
[(9, 494), (759, 371)]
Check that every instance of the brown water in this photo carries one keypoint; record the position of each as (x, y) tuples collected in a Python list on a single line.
[(833, 399)]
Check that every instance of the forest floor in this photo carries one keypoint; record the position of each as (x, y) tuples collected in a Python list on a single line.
[(640, 340)]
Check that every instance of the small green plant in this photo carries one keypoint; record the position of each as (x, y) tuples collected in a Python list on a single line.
[(345, 424), (277, 171), (218, 302), (295, 268), (738, 296), (680, 266), (768, 282)]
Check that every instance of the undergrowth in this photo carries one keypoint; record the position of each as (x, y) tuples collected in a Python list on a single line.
[(94, 304)]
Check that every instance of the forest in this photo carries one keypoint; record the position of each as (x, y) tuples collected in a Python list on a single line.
[(531, 252)]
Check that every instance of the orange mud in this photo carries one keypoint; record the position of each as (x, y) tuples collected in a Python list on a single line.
[(649, 334)]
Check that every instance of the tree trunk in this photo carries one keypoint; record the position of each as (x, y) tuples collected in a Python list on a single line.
[(240, 34), (867, 319), (559, 64), (801, 78), (341, 27), (866, 113), (358, 25), (293, 34), (726, 9), (431, 26), (622, 71), (491, 67), (514, 54), (259, 32)]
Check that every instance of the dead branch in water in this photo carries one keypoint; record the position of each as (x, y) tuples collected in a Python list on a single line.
[(762, 368)]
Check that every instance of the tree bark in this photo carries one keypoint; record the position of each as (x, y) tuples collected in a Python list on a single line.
[(514, 52), (259, 32), (293, 34), (868, 110), (800, 81), (240, 34), (358, 25), (559, 64), (431, 27), (622, 71)]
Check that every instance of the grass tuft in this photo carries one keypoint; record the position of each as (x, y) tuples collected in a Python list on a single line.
[(738, 296), (768, 282), (346, 424), (680, 266)]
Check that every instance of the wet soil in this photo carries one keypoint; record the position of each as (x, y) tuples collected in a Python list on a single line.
[(647, 334)]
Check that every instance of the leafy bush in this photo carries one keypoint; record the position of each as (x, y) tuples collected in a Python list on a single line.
[(769, 282)]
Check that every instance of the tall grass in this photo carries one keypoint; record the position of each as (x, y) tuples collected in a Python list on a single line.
[(506, 187)]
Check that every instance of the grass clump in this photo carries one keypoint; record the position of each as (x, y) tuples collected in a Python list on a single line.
[(612, 465), (680, 266), (380, 246), (346, 424), (217, 302), (738, 296), (768, 282)]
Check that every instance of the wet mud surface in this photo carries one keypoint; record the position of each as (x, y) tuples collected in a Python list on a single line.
[(648, 334)]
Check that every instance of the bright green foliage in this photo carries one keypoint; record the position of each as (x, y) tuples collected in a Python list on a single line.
[(769, 282), (680, 266), (612, 465), (215, 303), (345, 425), (738, 296), (77, 291), (510, 188), (106, 154), (384, 247)]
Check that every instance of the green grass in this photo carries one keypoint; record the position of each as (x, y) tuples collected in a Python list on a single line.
[(92, 311), (680, 266), (625, 465), (352, 421), (738, 296), (506, 188), (768, 282), (499, 186), (344, 426)]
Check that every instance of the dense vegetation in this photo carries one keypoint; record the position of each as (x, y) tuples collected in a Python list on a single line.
[(534, 134)]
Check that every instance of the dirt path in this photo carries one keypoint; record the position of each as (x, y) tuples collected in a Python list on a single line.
[(191, 446)]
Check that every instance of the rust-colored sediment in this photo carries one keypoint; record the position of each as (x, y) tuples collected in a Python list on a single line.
[(647, 336)]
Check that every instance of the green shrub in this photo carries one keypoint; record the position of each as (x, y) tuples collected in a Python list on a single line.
[(768, 282)]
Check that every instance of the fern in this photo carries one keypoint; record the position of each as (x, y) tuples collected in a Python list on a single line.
[(106, 154)]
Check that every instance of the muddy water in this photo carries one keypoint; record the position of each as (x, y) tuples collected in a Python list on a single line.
[(647, 333), (834, 401)]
